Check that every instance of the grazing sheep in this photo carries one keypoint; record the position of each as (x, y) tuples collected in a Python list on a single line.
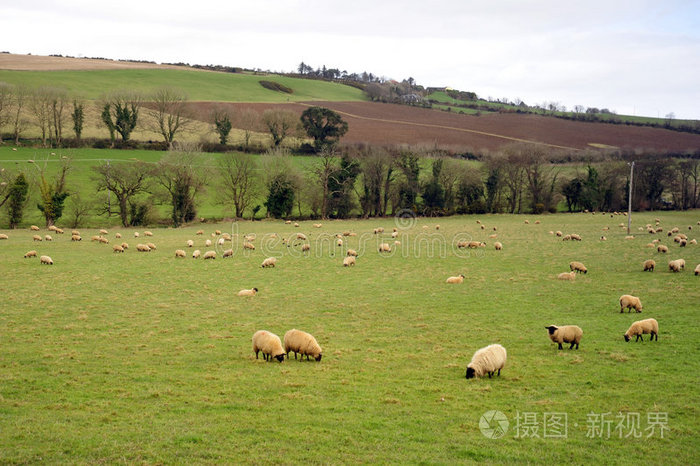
[(558, 233), (207, 243), (567, 276), (697, 270), (676, 265), (397, 243), (104, 232), (118, 236), (462, 244), (566, 238), (576, 266), (190, 243), (296, 224), (351, 252), (75, 232), (649, 265), (250, 238), (527, 222), (142, 248), (394, 234), (269, 344), (455, 280), (36, 238), (220, 242), (147, 233), (483, 227), (630, 302), (603, 238), (641, 327), (103, 240), (339, 242), (117, 248), (46, 260), (151, 245), (76, 238), (475, 244), (30, 254), (250, 292), (384, 247), (4, 236), (662, 248), (226, 236), (136, 234), (125, 245), (48, 238), (575, 237), (269, 262), (302, 343), (650, 245), (629, 237), (693, 241), (565, 334), (498, 246), (247, 245), (287, 222), (682, 243), (348, 261), (317, 225), (305, 247), (227, 253), (196, 254), (34, 228), (179, 253), (200, 232), (217, 232), (301, 236), (209, 255), (487, 360), (493, 236)]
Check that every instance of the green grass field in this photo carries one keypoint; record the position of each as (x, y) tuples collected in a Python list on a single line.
[(144, 358), (199, 85)]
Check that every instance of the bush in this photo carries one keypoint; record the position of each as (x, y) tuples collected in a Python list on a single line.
[(275, 86)]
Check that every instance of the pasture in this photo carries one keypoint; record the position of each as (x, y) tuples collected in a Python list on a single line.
[(141, 357)]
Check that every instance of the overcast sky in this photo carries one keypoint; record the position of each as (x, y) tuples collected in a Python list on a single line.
[(632, 56)]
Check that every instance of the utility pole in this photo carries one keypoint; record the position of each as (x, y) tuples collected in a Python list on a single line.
[(629, 200), (109, 197)]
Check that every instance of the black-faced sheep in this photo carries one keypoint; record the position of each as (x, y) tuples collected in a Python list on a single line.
[(662, 248), (209, 255), (117, 248), (269, 344), (676, 265), (46, 260), (649, 265), (498, 246), (30, 254), (196, 254), (576, 266), (250, 292), (269, 262), (179, 253), (630, 302), (641, 327), (227, 253), (4, 236), (302, 343), (487, 360), (455, 280), (348, 261), (565, 334)]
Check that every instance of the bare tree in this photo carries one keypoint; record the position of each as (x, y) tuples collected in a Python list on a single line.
[(125, 180), (6, 94), (78, 209), (280, 124), (169, 113), (57, 106), (249, 121), (40, 106), (238, 181), (21, 97)]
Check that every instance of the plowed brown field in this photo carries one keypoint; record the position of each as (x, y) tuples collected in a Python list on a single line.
[(390, 124)]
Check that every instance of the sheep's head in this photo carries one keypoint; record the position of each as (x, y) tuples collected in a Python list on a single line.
[(318, 358), (461, 275), (627, 337), (255, 289), (280, 357), (552, 329), (470, 372)]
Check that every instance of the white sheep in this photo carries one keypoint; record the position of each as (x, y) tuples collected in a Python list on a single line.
[(642, 327), (351, 252), (487, 360), (649, 265), (147, 233), (571, 276), (196, 254), (269, 344), (199, 232), (576, 266), (676, 265), (305, 247), (662, 248), (498, 246), (142, 248), (302, 343), (630, 302), (207, 243), (190, 243), (301, 236), (136, 234), (455, 280), (227, 253), (348, 261), (117, 248), (104, 232), (179, 253), (46, 260), (250, 292), (4, 236), (103, 240), (125, 245), (697, 269), (565, 334), (151, 245), (209, 255), (384, 247), (118, 235), (36, 238), (75, 232), (30, 254), (217, 232), (76, 238), (269, 262), (34, 228), (247, 245)]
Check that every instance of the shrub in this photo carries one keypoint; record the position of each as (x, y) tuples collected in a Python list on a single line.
[(275, 86)]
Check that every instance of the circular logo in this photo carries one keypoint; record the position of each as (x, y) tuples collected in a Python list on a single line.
[(493, 424), (405, 219)]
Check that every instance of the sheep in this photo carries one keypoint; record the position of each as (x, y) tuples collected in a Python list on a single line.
[(75, 232), (566, 238), (351, 252), (103, 240), (151, 245), (558, 233), (104, 232), (142, 248), (641, 327), (676, 265), (662, 249), (76, 238), (339, 242), (117, 248), (650, 245), (196, 254), (565, 334), (397, 243), (269, 344), (462, 244), (384, 247), (475, 244), (209, 255), (483, 227), (498, 246), (629, 237), (125, 245), (455, 280), (250, 292), (494, 236), (301, 236), (287, 222), (575, 237), (437, 227), (118, 236), (630, 302), (487, 360), (302, 343), (36, 238), (200, 232), (527, 222), (190, 243), (349, 233), (567, 276), (537, 222), (247, 245), (269, 262), (217, 232), (136, 234), (305, 247), (46, 260), (220, 242), (348, 261), (34, 228), (4, 236), (48, 238), (317, 225), (59, 231), (649, 265), (30, 254), (697, 270), (693, 241), (147, 233), (296, 224), (576, 266), (179, 253), (227, 253), (603, 238), (207, 243), (682, 243), (394, 234)]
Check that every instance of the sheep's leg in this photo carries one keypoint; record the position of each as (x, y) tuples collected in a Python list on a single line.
[(499, 372), (490, 374), (560, 347), (256, 354), (576, 345), (638, 337), (572, 346)]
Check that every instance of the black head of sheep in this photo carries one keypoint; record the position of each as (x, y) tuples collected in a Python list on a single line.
[(470, 372)]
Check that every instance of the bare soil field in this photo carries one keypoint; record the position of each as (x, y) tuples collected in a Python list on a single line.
[(388, 124), (16, 62)]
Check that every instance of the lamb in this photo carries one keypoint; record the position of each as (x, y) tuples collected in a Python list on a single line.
[(46, 260), (487, 360), (33, 254), (250, 292), (142, 248), (209, 255), (565, 334), (455, 280), (676, 265), (179, 253), (269, 344), (190, 243), (36, 238), (497, 245), (227, 253), (384, 247), (348, 261), (641, 327), (4, 236), (351, 252), (649, 265), (147, 233), (662, 249), (302, 343), (567, 276), (630, 302), (576, 266), (76, 238), (48, 238), (196, 254), (269, 262), (220, 242), (117, 248)]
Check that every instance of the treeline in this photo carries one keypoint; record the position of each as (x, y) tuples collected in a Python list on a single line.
[(351, 181)]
